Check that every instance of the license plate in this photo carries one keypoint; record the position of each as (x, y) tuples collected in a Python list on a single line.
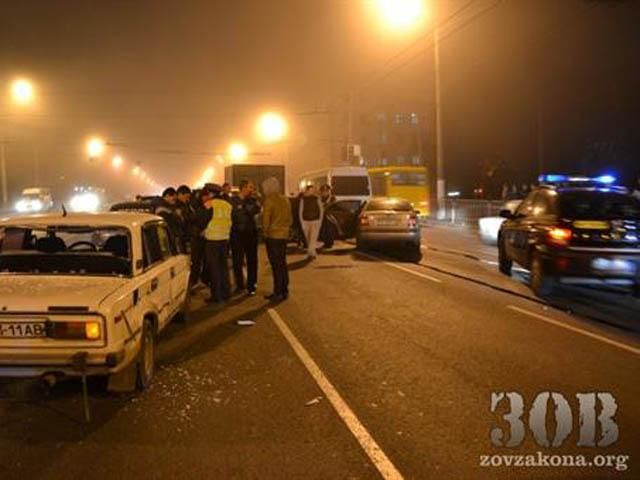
[(22, 330), (613, 265)]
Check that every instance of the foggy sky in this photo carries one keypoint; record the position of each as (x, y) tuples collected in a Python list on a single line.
[(192, 75)]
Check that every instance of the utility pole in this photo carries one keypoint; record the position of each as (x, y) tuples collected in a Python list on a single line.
[(440, 181), (3, 174), (540, 141)]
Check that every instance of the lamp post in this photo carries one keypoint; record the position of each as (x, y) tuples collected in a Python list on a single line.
[(273, 128), (400, 15), (22, 94)]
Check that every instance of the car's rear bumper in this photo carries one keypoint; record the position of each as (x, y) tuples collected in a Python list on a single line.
[(594, 266), (389, 237), (20, 363)]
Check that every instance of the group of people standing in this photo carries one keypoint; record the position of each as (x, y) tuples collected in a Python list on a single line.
[(213, 223)]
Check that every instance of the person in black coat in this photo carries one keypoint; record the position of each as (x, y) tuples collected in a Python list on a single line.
[(244, 237), (200, 220)]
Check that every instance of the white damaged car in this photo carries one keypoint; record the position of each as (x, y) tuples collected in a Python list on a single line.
[(87, 294)]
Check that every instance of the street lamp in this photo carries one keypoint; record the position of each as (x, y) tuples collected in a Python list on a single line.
[(95, 147), (135, 171), (238, 151), (272, 127), (400, 14), (22, 91), (117, 162)]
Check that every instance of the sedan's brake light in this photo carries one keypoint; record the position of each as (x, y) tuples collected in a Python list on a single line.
[(413, 220), (364, 220), (560, 236)]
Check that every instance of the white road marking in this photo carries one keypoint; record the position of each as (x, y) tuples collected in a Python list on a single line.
[(368, 444), (404, 269), (586, 333)]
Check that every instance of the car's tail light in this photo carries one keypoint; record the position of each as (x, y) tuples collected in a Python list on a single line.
[(364, 220), (413, 220), (75, 330), (560, 236)]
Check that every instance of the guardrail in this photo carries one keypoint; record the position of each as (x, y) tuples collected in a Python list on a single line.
[(460, 211)]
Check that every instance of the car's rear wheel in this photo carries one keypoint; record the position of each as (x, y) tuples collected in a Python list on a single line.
[(542, 284), (504, 263), (146, 364)]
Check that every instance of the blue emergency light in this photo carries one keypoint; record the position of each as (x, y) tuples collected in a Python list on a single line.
[(550, 179)]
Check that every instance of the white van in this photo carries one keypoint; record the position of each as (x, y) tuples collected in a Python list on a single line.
[(347, 183)]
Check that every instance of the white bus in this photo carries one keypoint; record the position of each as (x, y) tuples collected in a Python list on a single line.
[(347, 183)]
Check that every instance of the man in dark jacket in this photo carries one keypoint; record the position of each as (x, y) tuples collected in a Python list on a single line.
[(185, 211), (200, 220), (166, 207), (244, 237)]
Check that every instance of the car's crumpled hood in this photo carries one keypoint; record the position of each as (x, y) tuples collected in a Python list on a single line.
[(36, 293)]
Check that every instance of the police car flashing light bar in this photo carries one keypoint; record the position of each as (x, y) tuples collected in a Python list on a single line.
[(550, 179)]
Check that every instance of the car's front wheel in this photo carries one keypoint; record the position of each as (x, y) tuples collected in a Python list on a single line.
[(542, 284), (505, 264), (146, 364)]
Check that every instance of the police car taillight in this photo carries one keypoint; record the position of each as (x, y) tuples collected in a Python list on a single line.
[(413, 220), (560, 236), (364, 220)]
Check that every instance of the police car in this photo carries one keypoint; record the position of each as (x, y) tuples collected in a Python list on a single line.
[(574, 230), (86, 294)]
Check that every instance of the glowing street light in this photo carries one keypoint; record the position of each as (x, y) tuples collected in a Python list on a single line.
[(400, 14), (117, 162), (272, 127), (135, 171), (238, 151), (95, 147), (22, 91)]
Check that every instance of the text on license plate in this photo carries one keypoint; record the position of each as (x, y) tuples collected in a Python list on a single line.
[(613, 265), (22, 330)]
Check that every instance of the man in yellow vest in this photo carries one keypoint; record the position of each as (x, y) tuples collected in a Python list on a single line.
[(217, 245)]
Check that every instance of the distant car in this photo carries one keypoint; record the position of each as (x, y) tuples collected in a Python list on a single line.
[(87, 293), (579, 231), (390, 223), (87, 199), (34, 200), (490, 226)]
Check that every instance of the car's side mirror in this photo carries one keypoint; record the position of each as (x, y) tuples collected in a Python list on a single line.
[(507, 214)]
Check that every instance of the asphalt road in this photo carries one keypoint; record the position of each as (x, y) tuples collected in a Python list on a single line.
[(373, 368)]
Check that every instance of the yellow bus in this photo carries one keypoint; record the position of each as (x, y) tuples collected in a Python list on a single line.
[(407, 182)]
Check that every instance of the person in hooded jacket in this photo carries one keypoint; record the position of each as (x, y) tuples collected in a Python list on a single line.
[(276, 223)]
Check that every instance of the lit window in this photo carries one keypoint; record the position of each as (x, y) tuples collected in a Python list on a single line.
[(381, 117), (415, 160), (398, 118), (414, 119)]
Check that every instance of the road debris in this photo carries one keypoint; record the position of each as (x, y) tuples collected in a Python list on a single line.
[(245, 323), (314, 401)]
